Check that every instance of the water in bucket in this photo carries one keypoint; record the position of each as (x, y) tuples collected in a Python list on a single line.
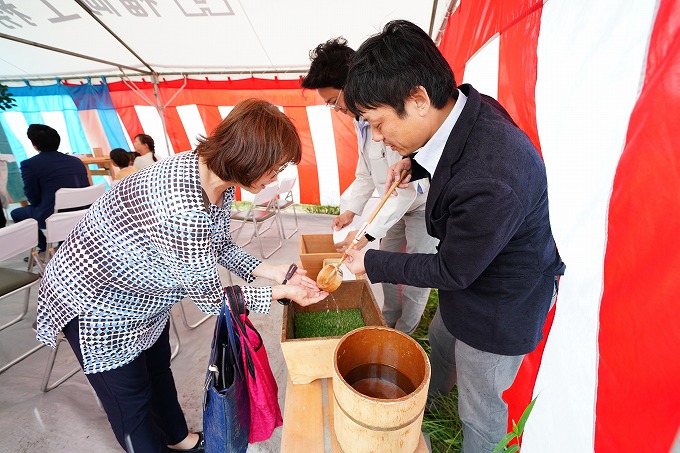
[(377, 380)]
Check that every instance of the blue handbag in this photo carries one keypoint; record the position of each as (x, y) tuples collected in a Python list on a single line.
[(226, 405)]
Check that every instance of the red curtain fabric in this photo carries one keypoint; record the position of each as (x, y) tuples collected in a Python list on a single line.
[(518, 23), (638, 372)]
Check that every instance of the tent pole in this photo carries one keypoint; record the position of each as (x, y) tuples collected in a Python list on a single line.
[(434, 13), (161, 107), (440, 34), (156, 102), (68, 52)]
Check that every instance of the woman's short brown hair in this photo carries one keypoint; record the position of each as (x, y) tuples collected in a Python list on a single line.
[(256, 137)]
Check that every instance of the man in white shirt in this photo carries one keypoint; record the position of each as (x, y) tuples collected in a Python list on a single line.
[(400, 225)]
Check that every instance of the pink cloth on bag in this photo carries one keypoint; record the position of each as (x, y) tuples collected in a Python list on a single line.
[(265, 412)]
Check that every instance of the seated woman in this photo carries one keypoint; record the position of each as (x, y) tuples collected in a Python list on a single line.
[(152, 240), (121, 159), (146, 151)]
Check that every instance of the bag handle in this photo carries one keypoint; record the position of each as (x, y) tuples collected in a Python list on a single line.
[(224, 321), (238, 308), (225, 316)]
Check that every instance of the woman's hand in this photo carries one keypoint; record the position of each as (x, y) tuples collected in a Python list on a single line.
[(355, 261), (342, 220), (394, 172), (301, 295), (300, 279), (277, 272)]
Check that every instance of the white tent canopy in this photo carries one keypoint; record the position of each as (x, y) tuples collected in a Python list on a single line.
[(79, 38), (594, 84)]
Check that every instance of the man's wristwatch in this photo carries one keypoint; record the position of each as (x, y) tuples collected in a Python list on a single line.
[(369, 237), (291, 271)]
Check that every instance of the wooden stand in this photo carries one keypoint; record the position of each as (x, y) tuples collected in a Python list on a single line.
[(308, 419), (103, 164)]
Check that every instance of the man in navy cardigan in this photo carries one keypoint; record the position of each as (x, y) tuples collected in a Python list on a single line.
[(497, 265), (46, 173)]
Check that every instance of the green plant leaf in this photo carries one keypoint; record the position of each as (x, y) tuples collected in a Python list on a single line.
[(504, 442), (512, 449), (525, 416)]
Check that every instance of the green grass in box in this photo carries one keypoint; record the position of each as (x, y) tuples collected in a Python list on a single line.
[(329, 323)]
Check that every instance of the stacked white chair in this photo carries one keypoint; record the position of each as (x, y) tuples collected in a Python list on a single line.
[(284, 201), (69, 198), (57, 227), (263, 208)]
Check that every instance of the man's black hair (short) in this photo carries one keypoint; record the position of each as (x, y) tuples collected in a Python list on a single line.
[(389, 66), (43, 137), (330, 61), (120, 157)]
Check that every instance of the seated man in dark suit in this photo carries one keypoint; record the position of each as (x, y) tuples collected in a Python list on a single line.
[(46, 173)]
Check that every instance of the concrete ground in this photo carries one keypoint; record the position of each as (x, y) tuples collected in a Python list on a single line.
[(68, 419)]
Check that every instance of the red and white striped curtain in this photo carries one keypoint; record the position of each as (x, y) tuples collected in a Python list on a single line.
[(596, 86), (328, 140)]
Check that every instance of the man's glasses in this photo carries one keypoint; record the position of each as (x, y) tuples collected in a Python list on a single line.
[(335, 105)]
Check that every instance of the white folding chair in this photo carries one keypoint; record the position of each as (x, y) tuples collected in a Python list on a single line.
[(285, 201), (45, 386), (69, 198), (258, 215), (58, 226), (15, 239)]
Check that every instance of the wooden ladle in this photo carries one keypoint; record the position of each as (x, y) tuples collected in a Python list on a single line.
[(330, 277)]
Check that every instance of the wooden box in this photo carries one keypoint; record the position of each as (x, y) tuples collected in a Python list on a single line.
[(312, 358), (314, 248)]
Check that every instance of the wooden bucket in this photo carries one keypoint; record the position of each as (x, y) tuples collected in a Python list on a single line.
[(380, 383)]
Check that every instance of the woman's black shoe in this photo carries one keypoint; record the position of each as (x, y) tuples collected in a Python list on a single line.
[(198, 448)]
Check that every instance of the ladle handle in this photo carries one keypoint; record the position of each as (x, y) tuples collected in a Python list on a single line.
[(387, 195), (373, 215)]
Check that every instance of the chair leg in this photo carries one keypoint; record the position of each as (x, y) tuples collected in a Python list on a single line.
[(35, 260), (251, 236), (237, 230), (46, 386), (296, 225), (259, 240), (183, 315), (178, 342), (21, 357), (25, 309)]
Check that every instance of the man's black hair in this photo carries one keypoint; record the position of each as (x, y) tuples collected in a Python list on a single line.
[(120, 157), (389, 66), (43, 137), (330, 61)]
